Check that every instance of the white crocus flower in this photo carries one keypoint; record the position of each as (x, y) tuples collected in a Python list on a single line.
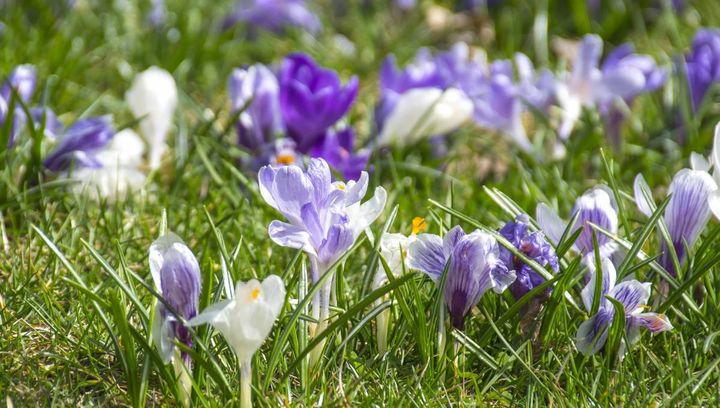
[(246, 321), (425, 112), (153, 98), (119, 174)]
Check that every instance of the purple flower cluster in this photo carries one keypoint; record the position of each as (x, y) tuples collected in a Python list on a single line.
[(304, 103), (534, 246), (702, 64)]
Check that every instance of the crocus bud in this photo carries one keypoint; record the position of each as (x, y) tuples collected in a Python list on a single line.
[(23, 79), (257, 87), (152, 99), (423, 112), (176, 275)]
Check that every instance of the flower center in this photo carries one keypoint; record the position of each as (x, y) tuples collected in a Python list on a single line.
[(418, 225), (285, 159), (341, 186), (255, 293)]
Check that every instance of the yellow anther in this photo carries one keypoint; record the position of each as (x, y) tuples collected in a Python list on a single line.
[(341, 186), (418, 225), (255, 293), (285, 159)]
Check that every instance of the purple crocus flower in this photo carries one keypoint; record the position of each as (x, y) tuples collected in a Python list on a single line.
[(474, 267), (312, 99), (80, 144), (158, 13), (686, 214), (423, 72), (274, 15), (257, 87), (337, 150), (534, 246), (588, 85), (624, 59), (23, 79), (592, 333), (702, 64), (176, 274), (324, 218), (596, 206)]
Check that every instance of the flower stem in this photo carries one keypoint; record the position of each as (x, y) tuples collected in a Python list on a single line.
[(246, 383)]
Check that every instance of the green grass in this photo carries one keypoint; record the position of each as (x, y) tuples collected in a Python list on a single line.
[(75, 288)]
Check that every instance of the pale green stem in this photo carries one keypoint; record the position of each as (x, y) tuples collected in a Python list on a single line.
[(246, 383)]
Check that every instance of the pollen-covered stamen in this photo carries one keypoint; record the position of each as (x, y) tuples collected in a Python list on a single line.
[(255, 293), (341, 186), (285, 159), (418, 225)]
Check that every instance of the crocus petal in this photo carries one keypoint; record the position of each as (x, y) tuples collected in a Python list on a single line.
[(714, 203), (595, 206), (592, 333), (654, 322), (688, 212), (699, 162), (163, 335), (290, 236), (588, 57), (425, 254), (632, 294), (551, 224), (643, 195), (212, 313), (451, 239), (286, 189), (608, 282)]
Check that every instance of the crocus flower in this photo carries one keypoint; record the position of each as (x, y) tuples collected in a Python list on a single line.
[(596, 206), (589, 86), (119, 173), (23, 79), (592, 333), (686, 214), (422, 72), (405, 4), (158, 13), (80, 144), (702, 64), (152, 99), (324, 218), (337, 150), (474, 267), (312, 99), (274, 15), (259, 123), (534, 246), (624, 59), (423, 112), (245, 321), (176, 275)]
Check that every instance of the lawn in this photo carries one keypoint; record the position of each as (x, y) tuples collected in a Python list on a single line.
[(460, 132)]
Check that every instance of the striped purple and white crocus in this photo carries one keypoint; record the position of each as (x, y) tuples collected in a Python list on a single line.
[(324, 218), (633, 295), (686, 214), (473, 267)]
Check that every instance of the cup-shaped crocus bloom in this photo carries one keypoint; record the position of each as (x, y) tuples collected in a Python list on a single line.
[(119, 173), (702, 64), (474, 267), (596, 206), (588, 85), (23, 80), (152, 99), (423, 112), (176, 275), (324, 218), (422, 72), (80, 144), (534, 246), (337, 150), (274, 15), (260, 121), (312, 99), (633, 295), (686, 214), (711, 166)]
